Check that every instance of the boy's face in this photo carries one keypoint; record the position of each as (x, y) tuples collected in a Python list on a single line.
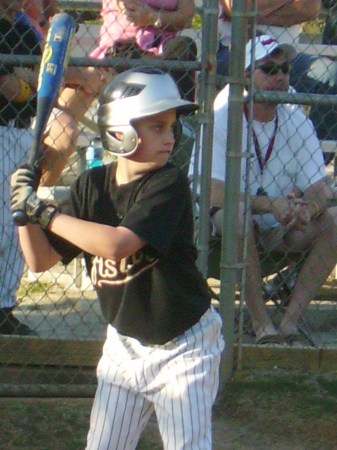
[(156, 139)]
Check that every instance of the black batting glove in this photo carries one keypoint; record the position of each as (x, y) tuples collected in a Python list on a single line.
[(24, 183)]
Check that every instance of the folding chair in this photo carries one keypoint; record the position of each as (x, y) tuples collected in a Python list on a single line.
[(279, 276)]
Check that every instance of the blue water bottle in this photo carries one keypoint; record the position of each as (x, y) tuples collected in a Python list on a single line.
[(94, 153)]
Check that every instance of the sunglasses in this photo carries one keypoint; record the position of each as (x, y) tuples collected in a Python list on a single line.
[(271, 68)]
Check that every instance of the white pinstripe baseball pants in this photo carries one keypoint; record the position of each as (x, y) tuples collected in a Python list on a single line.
[(178, 380)]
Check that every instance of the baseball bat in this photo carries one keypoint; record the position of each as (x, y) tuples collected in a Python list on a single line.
[(53, 64)]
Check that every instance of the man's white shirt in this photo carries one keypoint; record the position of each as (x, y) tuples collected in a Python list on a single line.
[(296, 160)]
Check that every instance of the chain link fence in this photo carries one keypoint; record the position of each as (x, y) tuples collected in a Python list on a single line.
[(272, 303), (60, 306), (51, 341)]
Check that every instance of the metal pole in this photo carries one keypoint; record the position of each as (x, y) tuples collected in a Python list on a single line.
[(229, 266), (244, 255), (206, 98)]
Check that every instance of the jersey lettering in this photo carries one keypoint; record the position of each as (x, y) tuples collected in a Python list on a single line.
[(110, 272)]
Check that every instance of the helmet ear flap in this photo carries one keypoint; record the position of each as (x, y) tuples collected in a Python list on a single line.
[(120, 140)]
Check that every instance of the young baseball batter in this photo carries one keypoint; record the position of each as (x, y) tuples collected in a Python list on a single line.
[(133, 221)]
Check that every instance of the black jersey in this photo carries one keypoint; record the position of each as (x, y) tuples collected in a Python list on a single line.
[(16, 39), (157, 293)]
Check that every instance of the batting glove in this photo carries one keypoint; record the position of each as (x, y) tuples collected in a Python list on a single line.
[(26, 175), (24, 183)]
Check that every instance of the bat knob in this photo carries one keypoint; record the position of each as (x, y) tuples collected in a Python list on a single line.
[(20, 218)]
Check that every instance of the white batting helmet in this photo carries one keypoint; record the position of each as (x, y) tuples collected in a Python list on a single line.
[(136, 93)]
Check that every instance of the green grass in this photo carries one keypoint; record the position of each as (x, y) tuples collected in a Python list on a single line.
[(297, 410), (256, 410), (34, 288)]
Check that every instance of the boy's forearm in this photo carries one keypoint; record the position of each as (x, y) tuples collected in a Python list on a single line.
[(38, 253)]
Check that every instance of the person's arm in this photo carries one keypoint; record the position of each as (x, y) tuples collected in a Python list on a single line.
[(317, 196), (94, 238), (37, 250), (35, 13), (143, 15), (33, 9), (100, 240), (295, 212), (97, 239), (82, 86), (265, 7), (90, 79), (281, 208), (40, 11), (49, 8), (282, 13)]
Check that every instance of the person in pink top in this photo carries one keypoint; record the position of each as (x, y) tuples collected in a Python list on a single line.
[(149, 29)]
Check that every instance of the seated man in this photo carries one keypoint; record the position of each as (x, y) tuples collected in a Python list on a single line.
[(288, 187), (312, 74)]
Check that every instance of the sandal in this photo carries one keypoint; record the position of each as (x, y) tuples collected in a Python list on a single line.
[(270, 339), (296, 340)]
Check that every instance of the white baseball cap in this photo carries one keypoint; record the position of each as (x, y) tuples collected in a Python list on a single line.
[(265, 46)]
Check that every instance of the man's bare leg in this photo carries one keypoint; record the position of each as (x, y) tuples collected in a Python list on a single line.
[(261, 321), (317, 267)]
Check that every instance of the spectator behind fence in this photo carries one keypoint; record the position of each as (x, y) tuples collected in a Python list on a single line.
[(17, 108), (309, 74), (149, 29), (38, 14), (74, 97), (289, 189), (133, 220)]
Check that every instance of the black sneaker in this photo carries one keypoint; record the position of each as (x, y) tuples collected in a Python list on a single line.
[(9, 324)]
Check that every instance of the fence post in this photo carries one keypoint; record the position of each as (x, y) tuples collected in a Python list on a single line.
[(206, 97), (229, 266)]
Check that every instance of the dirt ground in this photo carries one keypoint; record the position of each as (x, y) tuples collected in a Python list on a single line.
[(274, 411), (258, 410)]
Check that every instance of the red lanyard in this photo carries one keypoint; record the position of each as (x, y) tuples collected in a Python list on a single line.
[(263, 162)]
